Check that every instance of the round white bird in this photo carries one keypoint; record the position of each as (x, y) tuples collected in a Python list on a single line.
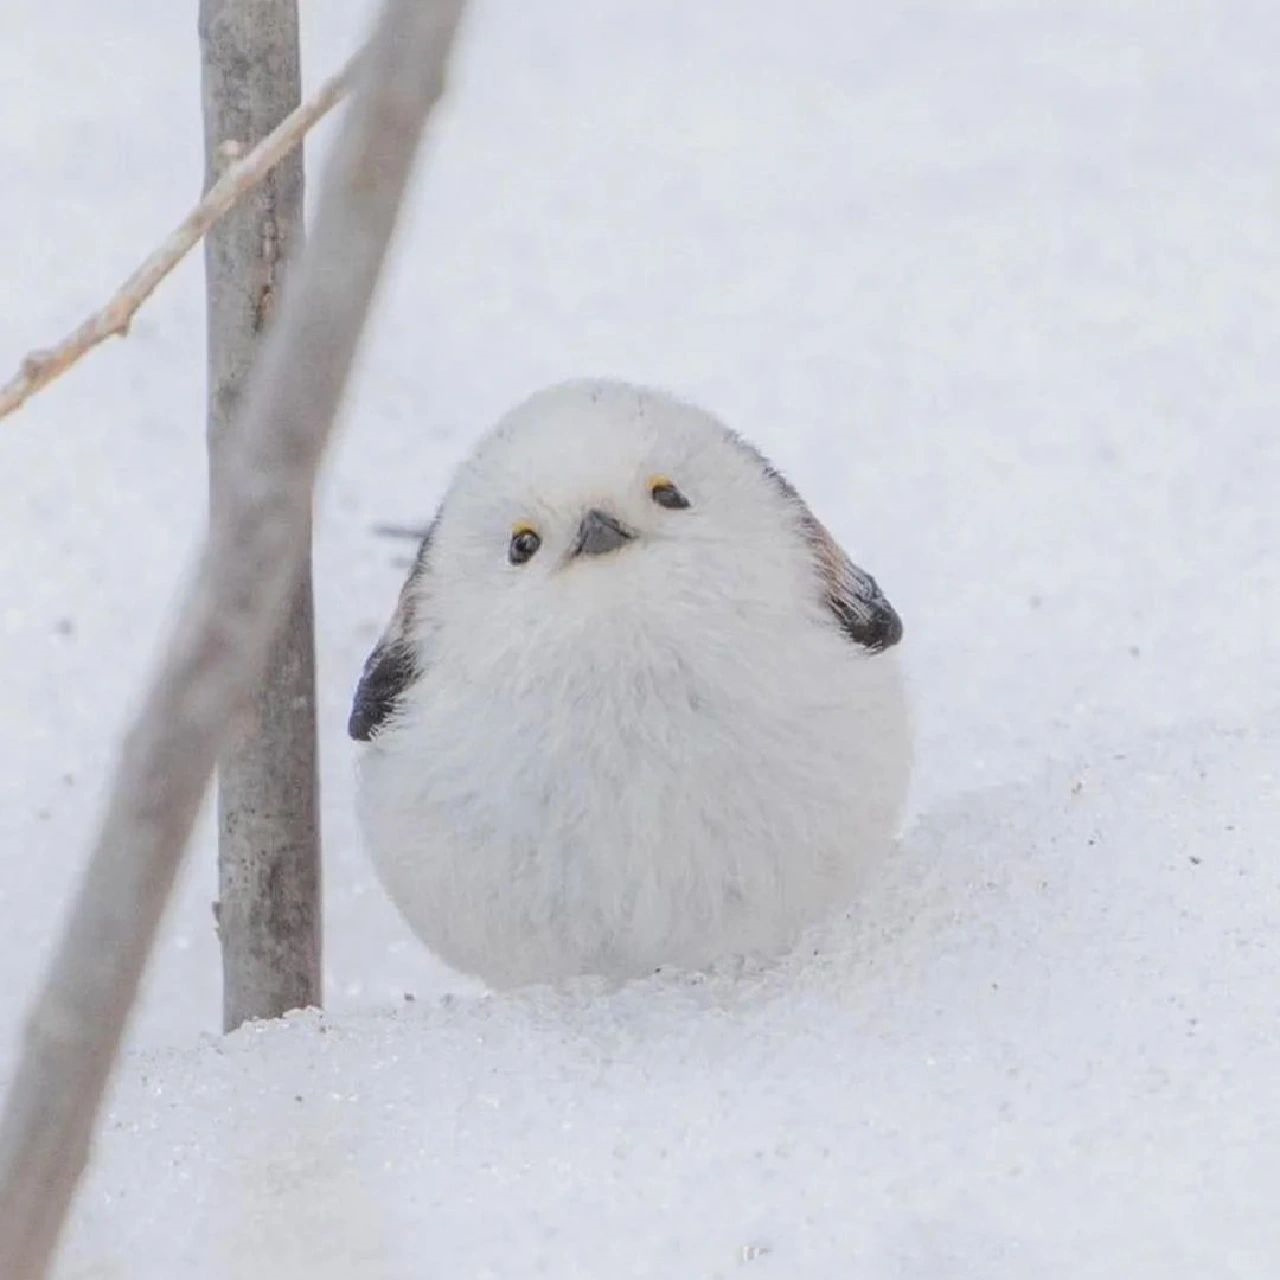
[(634, 707)]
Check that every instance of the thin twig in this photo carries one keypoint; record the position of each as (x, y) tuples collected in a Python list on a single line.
[(246, 573), (409, 531), (244, 173)]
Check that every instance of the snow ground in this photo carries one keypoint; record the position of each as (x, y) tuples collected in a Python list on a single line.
[(998, 284)]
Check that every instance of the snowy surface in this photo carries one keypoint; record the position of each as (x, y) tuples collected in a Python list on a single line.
[(998, 285), (1056, 1064)]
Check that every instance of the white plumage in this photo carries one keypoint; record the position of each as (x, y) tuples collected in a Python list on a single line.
[(680, 743)]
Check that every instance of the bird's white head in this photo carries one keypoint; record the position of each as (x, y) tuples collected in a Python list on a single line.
[(604, 528), (595, 498)]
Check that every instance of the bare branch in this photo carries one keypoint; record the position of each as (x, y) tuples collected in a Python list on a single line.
[(40, 368), (410, 531), (269, 913), (246, 573)]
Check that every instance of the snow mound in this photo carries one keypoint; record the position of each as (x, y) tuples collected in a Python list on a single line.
[(1042, 1044)]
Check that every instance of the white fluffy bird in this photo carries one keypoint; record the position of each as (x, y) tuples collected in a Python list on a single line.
[(633, 708)]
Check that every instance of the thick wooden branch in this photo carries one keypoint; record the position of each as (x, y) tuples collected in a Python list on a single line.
[(241, 175), (244, 577), (268, 794)]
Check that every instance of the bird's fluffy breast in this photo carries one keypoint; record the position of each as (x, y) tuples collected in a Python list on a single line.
[(636, 796)]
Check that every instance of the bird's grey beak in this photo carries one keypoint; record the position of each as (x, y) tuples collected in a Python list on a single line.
[(599, 533)]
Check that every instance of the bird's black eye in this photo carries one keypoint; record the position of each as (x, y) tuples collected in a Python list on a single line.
[(665, 494), (524, 545)]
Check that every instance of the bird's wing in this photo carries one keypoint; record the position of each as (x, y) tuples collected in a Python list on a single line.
[(395, 662), (853, 596)]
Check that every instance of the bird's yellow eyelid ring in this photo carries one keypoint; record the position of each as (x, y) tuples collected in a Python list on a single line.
[(666, 494), (523, 527)]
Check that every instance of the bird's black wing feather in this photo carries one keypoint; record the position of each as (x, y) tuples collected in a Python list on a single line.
[(853, 596), (396, 662)]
